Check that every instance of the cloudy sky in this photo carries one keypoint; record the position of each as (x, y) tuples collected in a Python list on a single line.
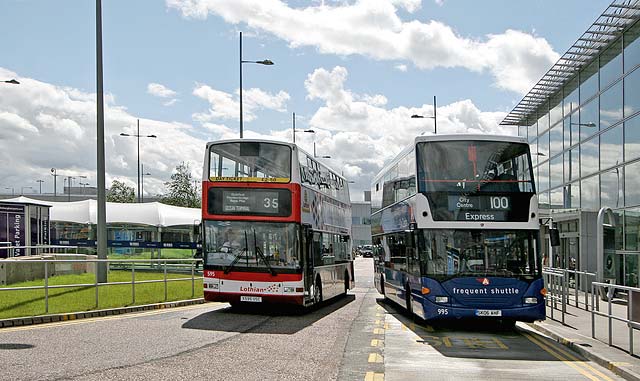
[(352, 70)]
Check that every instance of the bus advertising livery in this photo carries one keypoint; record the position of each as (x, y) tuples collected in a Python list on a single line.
[(276, 225), (456, 229)]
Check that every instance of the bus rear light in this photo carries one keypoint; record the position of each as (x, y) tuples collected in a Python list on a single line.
[(425, 290), (531, 300), (299, 289), (543, 291), (442, 299)]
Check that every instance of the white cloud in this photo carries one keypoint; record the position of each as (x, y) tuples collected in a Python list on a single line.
[(515, 59), (401, 67), (161, 91), (44, 126), (226, 106)]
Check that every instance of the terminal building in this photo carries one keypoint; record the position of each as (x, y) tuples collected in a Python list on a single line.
[(361, 221), (582, 120)]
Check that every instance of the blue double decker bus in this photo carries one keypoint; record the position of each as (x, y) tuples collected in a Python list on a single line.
[(455, 229)]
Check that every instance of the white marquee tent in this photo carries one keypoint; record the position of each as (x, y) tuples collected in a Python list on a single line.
[(150, 213)]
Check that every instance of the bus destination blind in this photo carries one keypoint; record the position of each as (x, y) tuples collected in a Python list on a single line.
[(242, 201), (480, 208)]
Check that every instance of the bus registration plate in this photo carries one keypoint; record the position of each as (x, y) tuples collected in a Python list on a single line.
[(255, 299), (488, 313)]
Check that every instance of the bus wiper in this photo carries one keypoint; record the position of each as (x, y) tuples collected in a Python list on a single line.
[(245, 251), (262, 256)]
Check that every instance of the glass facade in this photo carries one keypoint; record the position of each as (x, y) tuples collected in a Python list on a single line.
[(586, 139)]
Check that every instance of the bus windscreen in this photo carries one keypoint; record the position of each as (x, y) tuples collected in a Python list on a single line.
[(250, 161), (474, 167)]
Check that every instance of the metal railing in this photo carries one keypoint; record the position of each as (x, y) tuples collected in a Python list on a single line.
[(561, 289), (38, 249), (557, 285), (610, 290), (185, 264)]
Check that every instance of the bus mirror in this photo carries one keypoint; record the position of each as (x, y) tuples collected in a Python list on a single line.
[(554, 237)]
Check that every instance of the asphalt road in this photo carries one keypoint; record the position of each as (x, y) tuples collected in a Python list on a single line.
[(358, 337)]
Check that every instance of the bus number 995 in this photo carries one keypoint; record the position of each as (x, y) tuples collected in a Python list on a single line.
[(443, 311)]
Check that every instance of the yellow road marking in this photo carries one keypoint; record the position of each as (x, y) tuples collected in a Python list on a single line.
[(403, 327), (378, 331), (73, 321), (572, 361), (377, 322), (371, 376), (377, 343), (374, 357), (386, 325)]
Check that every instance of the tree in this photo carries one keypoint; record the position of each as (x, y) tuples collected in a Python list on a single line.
[(182, 190), (120, 192)]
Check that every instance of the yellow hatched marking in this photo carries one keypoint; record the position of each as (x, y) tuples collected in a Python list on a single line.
[(573, 361), (374, 357), (371, 376), (377, 342), (378, 331), (428, 328), (379, 314), (386, 325), (377, 322)]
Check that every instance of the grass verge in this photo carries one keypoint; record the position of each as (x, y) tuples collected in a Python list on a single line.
[(22, 303)]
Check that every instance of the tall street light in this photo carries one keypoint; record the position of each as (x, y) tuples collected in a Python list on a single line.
[(83, 185), (12, 190), (23, 188), (143, 174), (435, 121), (11, 81), (101, 268), (137, 135), (54, 173), (70, 183), (40, 185), (294, 129), (263, 62)]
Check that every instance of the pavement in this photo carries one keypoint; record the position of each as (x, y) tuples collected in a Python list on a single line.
[(576, 333)]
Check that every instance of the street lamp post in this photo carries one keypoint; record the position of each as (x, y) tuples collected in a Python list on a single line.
[(40, 185), (70, 182), (83, 185), (435, 120), (143, 174), (263, 62), (138, 136), (11, 81), (101, 233), (12, 190), (23, 188), (55, 175)]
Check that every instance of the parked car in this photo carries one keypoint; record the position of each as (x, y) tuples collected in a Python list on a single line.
[(366, 251)]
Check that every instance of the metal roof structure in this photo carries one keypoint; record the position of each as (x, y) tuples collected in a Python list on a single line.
[(606, 29)]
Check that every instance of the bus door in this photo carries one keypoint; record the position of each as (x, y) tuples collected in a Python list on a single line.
[(307, 255)]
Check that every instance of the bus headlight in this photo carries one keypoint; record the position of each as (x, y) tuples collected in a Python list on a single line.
[(531, 300), (442, 299), (289, 289)]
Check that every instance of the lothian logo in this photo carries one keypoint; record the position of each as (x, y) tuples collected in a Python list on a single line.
[(484, 281)]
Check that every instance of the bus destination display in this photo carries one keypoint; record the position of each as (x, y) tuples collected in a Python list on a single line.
[(479, 208), (265, 202), (250, 201)]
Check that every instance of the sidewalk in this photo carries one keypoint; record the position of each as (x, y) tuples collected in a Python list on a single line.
[(576, 334)]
